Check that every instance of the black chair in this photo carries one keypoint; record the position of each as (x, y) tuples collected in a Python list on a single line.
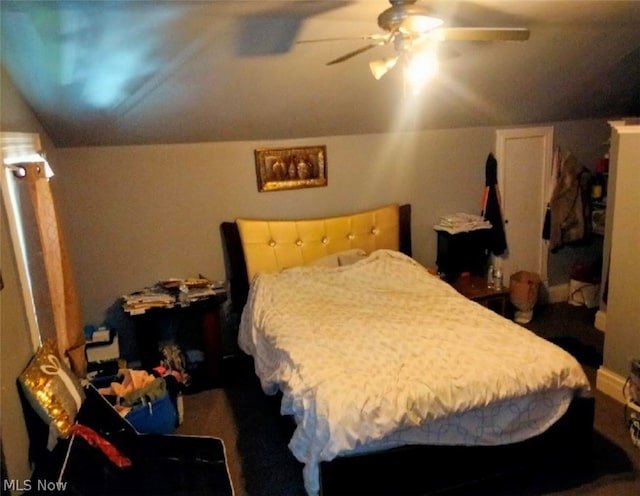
[(162, 464)]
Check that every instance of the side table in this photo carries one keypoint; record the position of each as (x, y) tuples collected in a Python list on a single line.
[(195, 327), (475, 288)]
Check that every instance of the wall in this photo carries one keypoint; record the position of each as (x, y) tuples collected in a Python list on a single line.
[(15, 352), (138, 214), (622, 342), (16, 349)]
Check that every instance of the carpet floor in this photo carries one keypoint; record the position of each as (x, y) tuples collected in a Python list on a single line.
[(260, 463)]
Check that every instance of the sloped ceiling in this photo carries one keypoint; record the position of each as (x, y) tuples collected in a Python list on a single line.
[(145, 72)]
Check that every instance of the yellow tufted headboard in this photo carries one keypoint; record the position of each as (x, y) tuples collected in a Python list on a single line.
[(274, 245)]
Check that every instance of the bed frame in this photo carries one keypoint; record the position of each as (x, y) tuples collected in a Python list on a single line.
[(567, 441)]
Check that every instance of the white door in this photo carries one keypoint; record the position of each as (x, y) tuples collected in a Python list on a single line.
[(524, 165)]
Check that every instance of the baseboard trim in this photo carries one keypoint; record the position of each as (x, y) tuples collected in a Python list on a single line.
[(559, 293), (600, 322), (610, 383)]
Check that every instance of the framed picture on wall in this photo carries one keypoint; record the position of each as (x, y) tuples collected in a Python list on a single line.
[(291, 168)]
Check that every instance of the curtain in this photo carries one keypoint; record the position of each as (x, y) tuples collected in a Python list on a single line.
[(60, 286)]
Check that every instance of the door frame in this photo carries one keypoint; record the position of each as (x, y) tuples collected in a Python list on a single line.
[(503, 136)]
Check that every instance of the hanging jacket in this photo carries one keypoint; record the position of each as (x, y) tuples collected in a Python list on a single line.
[(553, 181), (568, 208), (492, 210)]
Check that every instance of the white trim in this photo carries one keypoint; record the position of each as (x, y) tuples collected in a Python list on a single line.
[(610, 383), (559, 293), (600, 322), (546, 133), (628, 126), (12, 145)]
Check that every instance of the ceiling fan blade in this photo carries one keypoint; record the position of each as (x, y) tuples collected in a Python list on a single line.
[(480, 34), (354, 53), (347, 38)]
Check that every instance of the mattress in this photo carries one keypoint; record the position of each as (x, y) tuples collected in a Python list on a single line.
[(380, 353)]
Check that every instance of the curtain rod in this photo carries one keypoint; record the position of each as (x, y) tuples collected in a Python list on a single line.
[(17, 170), (43, 169)]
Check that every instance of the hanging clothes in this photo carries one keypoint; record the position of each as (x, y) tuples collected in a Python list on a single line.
[(556, 164), (568, 206), (492, 209)]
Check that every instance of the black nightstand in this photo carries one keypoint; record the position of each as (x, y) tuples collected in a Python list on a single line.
[(462, 252), (192, 327)]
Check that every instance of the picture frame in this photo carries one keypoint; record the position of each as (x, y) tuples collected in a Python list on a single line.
[(291, 168)]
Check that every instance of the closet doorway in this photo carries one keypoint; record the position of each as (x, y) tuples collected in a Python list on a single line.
[(524, 166)]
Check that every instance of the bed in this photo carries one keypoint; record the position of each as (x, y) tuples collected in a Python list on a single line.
[(372, 353)]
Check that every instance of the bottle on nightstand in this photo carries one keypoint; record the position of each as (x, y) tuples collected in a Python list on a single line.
[(490, 276), (497, 279)]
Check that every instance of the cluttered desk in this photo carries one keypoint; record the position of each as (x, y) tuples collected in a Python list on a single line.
[(182, 313)]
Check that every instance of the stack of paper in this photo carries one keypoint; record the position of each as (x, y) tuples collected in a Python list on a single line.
[(198, 293), (461, 222), (140, 301), (193, 289), (172, 292)]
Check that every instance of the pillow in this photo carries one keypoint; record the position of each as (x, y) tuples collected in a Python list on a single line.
[(351, 256), (52, 389), (328, 261), (346, 257)]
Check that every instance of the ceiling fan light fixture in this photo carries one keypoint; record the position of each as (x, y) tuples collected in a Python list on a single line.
[(420, 68), (404, 17), (420, 23), (380, 67), (408, 28)]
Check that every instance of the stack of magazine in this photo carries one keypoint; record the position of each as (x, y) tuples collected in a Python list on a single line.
[(170, 293), (461, 222)]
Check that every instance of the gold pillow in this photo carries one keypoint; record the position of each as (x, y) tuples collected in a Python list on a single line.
[(52, 389)]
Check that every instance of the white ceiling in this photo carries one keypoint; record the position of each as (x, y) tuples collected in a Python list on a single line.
[(142, 72)]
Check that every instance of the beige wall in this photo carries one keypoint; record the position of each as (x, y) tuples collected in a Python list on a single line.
[(138, 214), (135, 215), (15, 352), (622, 342)]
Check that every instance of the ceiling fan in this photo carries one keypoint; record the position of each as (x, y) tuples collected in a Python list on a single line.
[(408, 26)]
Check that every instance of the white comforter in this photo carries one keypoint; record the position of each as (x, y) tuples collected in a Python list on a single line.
[(372, 350)]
